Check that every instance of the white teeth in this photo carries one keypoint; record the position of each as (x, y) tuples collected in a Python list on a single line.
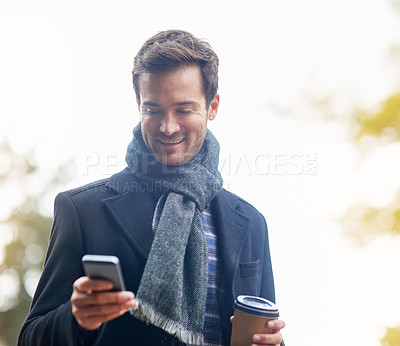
[(174, 142)]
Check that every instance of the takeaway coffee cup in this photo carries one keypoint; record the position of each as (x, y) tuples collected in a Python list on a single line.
[(251, 316)]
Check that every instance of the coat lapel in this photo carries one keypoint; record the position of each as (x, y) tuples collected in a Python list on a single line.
[(232, 234), (132, 209), (231, 228)]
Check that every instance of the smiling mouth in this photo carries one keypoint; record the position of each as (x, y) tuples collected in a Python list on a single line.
[(171, 142)]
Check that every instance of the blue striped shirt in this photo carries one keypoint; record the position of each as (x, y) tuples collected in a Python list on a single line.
[(212, 323)]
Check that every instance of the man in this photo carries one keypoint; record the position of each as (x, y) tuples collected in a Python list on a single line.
[(187, 247)]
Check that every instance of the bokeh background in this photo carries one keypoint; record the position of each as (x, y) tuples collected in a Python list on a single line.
[(309, 127)]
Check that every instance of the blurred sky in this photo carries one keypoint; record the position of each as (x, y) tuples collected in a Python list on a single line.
[(66, 90)]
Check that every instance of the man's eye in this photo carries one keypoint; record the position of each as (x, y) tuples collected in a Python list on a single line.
[(184, 111), (151, 111)]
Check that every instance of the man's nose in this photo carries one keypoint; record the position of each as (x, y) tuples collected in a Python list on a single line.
[(169, 124)]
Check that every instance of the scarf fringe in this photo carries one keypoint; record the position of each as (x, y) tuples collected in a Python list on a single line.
[(147, 313)]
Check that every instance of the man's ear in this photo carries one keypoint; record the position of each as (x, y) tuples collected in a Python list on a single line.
[(138, 103), (213, 108)]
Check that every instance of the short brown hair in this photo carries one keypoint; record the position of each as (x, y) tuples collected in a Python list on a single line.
[(171, 49)]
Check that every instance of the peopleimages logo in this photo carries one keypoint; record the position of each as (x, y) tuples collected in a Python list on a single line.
[(232, 164), (269, 164)]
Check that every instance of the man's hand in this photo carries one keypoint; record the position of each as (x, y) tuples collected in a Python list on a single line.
[(273, 339), (93, 304)]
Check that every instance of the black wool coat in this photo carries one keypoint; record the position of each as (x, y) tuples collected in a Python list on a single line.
[(113, 217)]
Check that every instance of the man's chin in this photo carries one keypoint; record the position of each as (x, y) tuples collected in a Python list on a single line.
[(173, 159)]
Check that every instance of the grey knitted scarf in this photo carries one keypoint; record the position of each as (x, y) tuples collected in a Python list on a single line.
[(173, 289)]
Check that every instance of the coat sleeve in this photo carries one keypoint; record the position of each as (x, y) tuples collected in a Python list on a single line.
[(50, 320)]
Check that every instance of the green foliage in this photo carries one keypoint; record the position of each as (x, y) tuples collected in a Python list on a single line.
[(383, 122), (27, 231)]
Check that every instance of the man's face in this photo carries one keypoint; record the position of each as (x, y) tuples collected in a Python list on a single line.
[(174, 113)]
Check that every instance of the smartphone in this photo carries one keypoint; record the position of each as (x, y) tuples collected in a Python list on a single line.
[(104, 267)]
